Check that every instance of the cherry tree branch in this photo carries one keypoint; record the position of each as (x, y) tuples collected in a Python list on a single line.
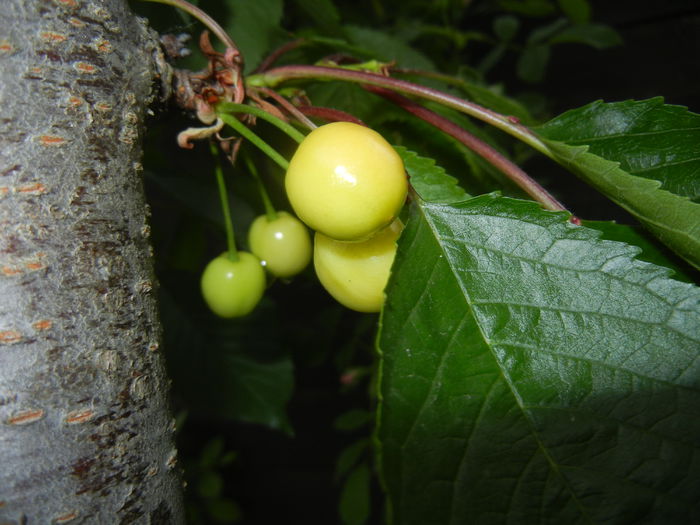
[(510, 125), (289, 107), (277, 53), (200, 15), (330, 114), (481, 148)]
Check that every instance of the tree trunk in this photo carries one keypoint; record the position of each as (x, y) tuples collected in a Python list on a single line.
[(85, 431)]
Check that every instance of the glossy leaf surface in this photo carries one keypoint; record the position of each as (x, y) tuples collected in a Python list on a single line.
[(651, 250), (429, 180), (533, 373), (643, 155)]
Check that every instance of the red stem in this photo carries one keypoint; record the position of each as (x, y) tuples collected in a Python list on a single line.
[(510, 125), (330, 114), (277, 53), (289, 107), (481, 148)]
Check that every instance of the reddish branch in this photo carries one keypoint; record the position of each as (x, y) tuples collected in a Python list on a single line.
[(275, 76), (288, 106), (488, 153), (330, 114), (277, 53)]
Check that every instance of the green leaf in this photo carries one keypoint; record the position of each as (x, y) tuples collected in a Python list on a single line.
[(255, 28), (210, 484), (598, 36), (354, 498), (493, 98), (528, 7), (429, 180), (385, 47), (228, 458), (545, 32), (645, 156), (533, 373), (650, 251), (211, 452), (350, 456), (492, 58), (648, 138), (324, 14), (532, 64), (234, 370), (506, 27), (578, 11)]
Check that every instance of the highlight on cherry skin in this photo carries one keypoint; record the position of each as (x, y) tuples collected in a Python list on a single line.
[(356, 273), (346, 181), (233, 288), (283, 244)]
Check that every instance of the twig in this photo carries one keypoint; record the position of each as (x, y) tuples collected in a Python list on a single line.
[(276, 76), (289, 107), (277, 53), (481, 148), (202, 17), (330, 114)]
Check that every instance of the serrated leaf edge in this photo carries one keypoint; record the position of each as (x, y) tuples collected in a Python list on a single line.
[(683, 205)]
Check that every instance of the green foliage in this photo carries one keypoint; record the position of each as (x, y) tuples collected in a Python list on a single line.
[(229, 369), (384, 47), (644, 156), (578, 11), (651, 251), (208, 503), (529, 370), (594, 35), (255, 26), (648, 138), (546, 392), (428, 180), (354, 499), (324, 14)]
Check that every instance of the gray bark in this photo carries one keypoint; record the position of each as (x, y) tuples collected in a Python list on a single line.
[(85, 431)]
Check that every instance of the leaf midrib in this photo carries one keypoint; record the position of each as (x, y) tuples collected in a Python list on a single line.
[(553, 464), (646, 185), (585, 140)]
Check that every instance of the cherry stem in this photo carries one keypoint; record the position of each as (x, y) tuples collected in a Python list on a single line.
[(510, 125), (330, 114), (247, 133), (270, 211), (478, 146), (230, 107), (223, 195), (204, 18), (289, 107), (277, 53)]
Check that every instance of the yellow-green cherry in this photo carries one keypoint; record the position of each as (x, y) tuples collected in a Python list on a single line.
[(356, 273), (283, 244), (346, 181), (233, 288)]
